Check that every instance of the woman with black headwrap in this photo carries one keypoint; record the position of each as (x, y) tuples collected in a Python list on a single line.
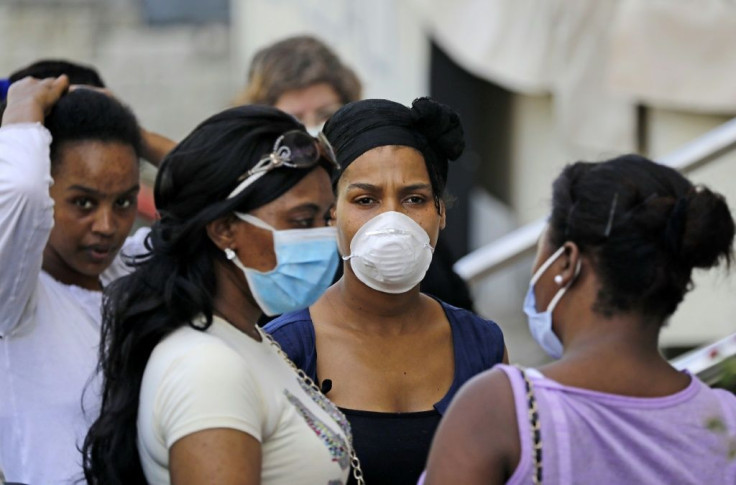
[(194, 391), (390, 356)]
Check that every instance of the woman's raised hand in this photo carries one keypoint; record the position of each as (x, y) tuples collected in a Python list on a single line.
[(30, 99)]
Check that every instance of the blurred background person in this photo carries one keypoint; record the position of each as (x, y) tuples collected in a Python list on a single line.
[(615, 261), (390, 356), (301, 76)]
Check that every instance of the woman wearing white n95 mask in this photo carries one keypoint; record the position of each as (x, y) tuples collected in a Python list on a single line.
[(390, 356)]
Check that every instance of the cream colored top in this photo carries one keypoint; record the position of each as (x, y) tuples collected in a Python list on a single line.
[(221, 378)]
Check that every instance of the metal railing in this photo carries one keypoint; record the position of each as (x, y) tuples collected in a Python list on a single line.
[(711, 361), (521, 242)]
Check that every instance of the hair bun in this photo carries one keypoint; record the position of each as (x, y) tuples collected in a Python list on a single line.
[(708, 229), (440, 125)]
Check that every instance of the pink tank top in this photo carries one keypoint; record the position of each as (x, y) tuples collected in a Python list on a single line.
[(593, 437)]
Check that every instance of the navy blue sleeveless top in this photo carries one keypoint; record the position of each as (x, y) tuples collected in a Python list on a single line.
[(477, 343), (393, 447)]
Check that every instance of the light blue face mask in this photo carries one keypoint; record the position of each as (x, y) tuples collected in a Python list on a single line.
[(306, 261), (540, 323)]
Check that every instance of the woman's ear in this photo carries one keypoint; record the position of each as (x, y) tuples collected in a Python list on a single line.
[(220, 231), (572, 260)]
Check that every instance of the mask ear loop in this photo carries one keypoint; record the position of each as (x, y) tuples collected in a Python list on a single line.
[(254, 221), (258, 223), (538, 274), (563, 290)]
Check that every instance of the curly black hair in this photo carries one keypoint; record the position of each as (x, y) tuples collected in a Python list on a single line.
[(89, 115)]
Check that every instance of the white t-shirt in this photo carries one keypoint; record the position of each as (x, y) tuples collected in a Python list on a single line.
[(49, 331), (221, 378)]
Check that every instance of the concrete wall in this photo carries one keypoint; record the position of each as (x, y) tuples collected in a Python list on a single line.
[(171, 77)]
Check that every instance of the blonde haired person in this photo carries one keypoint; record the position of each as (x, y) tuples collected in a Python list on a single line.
[(303, 77)]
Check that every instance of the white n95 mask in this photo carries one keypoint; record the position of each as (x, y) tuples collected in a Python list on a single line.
[(390, 253)]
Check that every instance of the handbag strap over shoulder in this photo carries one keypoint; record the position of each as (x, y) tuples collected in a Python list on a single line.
[(535, 427)]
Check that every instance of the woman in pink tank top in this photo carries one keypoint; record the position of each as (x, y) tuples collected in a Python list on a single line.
[(612, 266)]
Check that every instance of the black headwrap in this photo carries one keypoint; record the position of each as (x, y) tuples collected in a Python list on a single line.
[(431, 127)]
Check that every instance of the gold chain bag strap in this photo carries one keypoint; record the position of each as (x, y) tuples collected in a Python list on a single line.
[(531, 401), (354, 462)]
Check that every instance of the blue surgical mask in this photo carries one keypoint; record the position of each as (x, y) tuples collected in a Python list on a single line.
[(540, 323), (306, 261)]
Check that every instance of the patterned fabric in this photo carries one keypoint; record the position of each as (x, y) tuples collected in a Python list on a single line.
[(335, 443), (327, 406), (222, 378)]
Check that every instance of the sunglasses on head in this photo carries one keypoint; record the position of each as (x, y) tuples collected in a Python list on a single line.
[(293, 149)]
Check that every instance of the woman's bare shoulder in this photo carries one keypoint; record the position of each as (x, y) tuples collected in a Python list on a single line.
[(477, 440)]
